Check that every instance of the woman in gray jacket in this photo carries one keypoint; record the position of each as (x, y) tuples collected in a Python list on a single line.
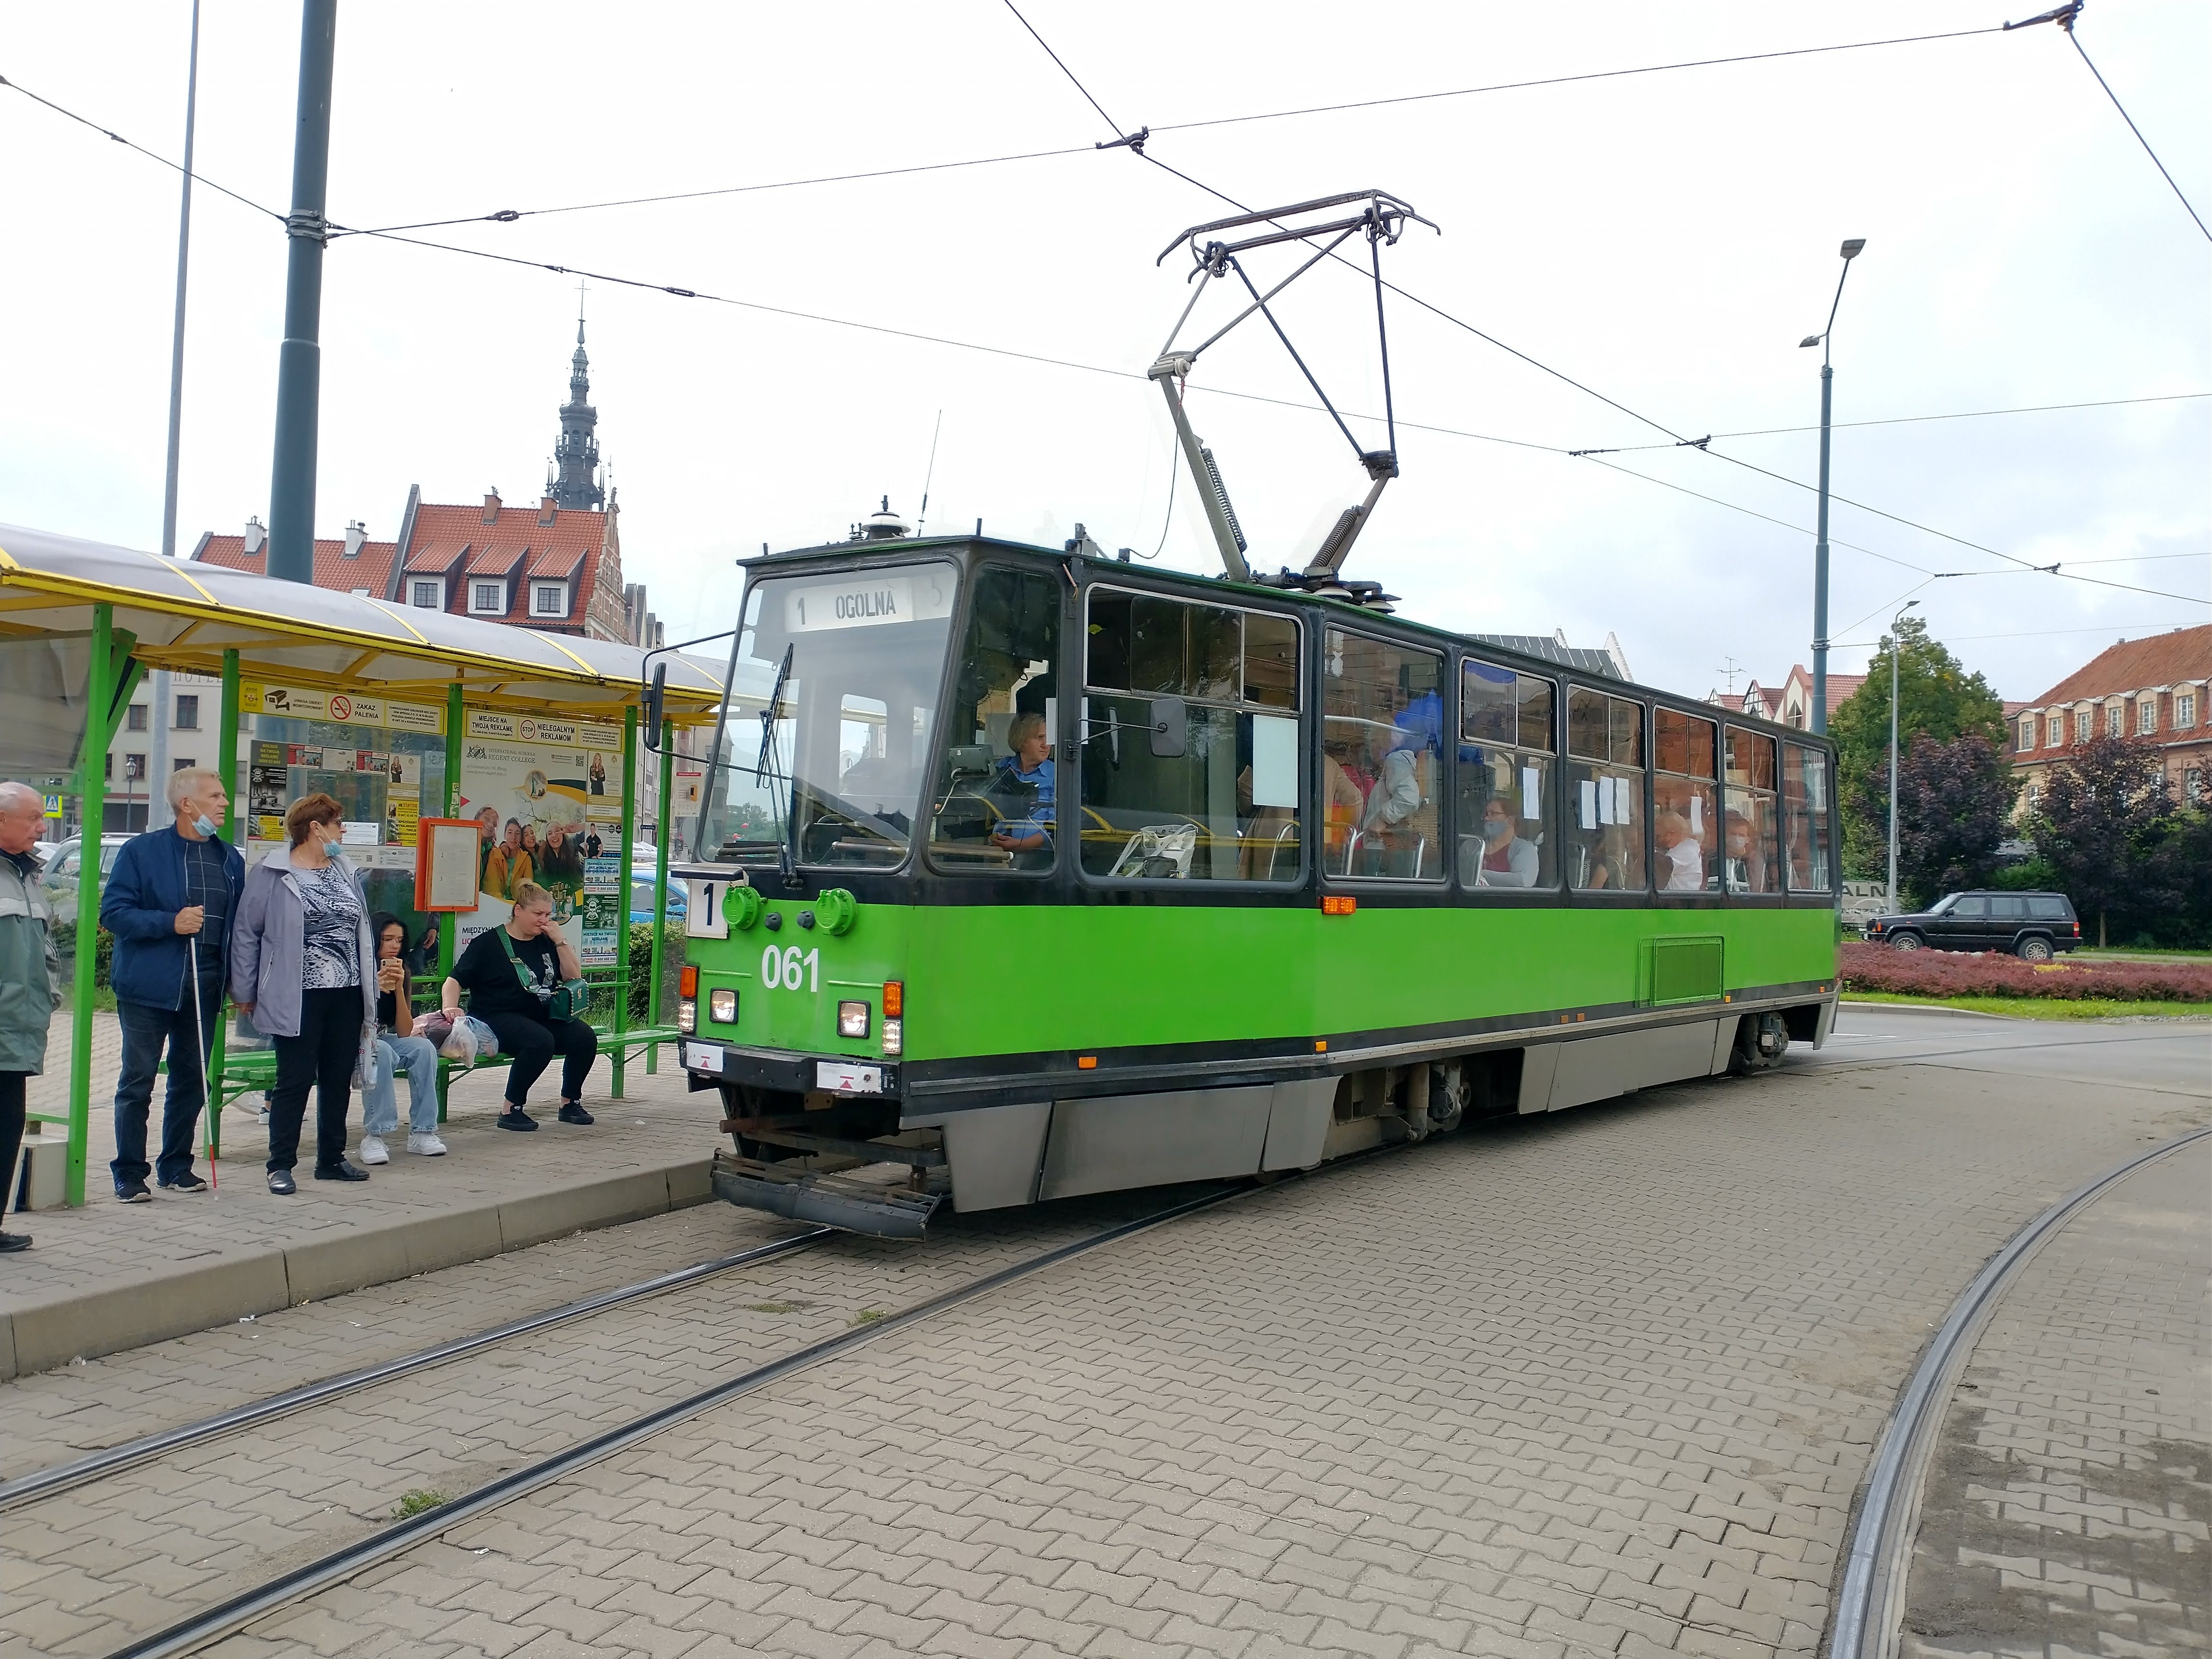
[(303, 966)]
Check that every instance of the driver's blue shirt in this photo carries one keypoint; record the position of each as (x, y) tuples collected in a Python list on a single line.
[(1039, 818)]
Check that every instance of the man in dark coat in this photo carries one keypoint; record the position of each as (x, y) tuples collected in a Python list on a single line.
[(169, 904)]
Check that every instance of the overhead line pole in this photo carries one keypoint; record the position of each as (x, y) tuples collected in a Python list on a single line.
[(177, 344), (299, 361)]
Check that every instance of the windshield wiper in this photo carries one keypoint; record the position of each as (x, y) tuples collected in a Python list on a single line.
[(773, 775)]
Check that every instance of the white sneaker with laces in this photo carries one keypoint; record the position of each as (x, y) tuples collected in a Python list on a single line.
[(373, 1150), (427, 1146)]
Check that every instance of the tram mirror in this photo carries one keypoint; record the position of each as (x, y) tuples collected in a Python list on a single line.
[(654, 701), (1170, 727)]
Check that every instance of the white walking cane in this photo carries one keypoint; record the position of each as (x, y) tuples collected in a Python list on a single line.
[(206, 1091)]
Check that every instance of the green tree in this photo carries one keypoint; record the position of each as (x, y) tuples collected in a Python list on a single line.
[(2106, 816), (1953, 805), (1937, 698)]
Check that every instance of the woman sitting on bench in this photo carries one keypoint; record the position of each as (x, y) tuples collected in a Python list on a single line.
[(524, 980)]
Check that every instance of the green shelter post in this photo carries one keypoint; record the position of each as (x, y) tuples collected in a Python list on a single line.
[(92, 776), (226, 763), (621, 893), (660, 887), (446, 925)]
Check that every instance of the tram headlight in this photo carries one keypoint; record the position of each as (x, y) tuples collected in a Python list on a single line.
[(722, 1008), (894, 1037), (851, 1019), (687, 1015)]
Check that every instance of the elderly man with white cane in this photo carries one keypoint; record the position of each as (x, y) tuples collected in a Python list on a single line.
[(169, 904)]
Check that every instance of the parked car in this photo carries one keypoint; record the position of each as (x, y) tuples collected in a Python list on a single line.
[(640, 900), (59, 877), (2033, 926)]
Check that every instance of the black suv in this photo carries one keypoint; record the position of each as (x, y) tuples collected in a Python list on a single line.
[(2029, 925)]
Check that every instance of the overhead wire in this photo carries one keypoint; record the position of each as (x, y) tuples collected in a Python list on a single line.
[(1909, 420), (2065, 21), (151, 156)]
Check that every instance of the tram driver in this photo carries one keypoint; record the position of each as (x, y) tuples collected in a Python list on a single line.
[(1507, 860), (1030, 769)]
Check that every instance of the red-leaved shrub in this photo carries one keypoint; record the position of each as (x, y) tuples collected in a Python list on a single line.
[(1865, 967)]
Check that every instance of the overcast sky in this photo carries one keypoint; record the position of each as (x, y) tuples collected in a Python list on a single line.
[(1664, 238)]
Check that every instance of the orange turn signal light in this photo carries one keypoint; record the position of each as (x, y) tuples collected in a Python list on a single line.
[(894, 998), (687, 982), (1337, 904), (1086, 1062)]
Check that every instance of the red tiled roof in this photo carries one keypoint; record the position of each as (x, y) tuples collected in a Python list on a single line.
[(566, 547), (371, 567), (1840, 687), (2160, 660)]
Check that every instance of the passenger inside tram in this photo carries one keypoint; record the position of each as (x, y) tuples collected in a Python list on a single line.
[(1680, 855), (1507, 860), (1746, 866)]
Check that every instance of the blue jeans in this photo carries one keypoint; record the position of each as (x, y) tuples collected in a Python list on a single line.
[(380, 1104), (147, 1030)]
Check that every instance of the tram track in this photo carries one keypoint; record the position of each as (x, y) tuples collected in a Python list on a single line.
[(224, 1618), (1869, 1602), (60, 1478)]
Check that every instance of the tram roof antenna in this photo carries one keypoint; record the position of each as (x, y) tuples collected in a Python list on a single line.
[(1382, 219), (922, 518)]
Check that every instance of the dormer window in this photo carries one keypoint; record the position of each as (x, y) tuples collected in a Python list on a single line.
[(487, 597), (548, 598), (427, 592)]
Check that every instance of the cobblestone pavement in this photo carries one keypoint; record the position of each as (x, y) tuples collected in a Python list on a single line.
[(107, 1245), (2068, 1512), (1595, 1384)]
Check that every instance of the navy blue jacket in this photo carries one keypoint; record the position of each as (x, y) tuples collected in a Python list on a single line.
[(145, 890)]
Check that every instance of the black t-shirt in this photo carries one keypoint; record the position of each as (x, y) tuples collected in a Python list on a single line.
[(489, 977)]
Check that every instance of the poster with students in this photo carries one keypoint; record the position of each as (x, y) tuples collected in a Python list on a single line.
[(528, 799)]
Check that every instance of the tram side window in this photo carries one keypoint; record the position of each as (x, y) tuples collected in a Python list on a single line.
[(1382, 760), (997, 797), (1505, 758), (1684, 802), (1805, 827), (1752, 815), (1192, 752), (1605, 792)]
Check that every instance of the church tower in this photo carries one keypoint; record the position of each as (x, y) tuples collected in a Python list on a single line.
[(576, 458)]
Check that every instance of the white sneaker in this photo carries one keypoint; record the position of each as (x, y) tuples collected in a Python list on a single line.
[(427, 1146), (372, 1150)]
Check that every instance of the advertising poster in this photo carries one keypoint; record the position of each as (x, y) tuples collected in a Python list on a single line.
[(532, 801), (604, 912)]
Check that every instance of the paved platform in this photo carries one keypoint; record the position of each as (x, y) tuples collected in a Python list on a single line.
[(2070, 1509), (112, 1276)]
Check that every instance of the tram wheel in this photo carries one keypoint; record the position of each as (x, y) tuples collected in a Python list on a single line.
[(1761, 1040)]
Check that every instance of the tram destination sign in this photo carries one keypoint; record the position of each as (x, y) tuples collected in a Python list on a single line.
[(869, 599)]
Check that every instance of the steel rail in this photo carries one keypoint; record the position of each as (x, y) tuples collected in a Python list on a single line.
[(214, 1623), (62, 1477), (1871, 1602)]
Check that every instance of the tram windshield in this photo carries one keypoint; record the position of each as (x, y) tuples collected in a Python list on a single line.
[(852, 664)]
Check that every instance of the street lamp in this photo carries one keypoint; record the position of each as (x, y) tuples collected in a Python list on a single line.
[(1820, 545), (1896, 631)]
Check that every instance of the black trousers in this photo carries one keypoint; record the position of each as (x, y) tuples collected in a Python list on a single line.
[(12, 1111), (321, 1057), (533, 1043)]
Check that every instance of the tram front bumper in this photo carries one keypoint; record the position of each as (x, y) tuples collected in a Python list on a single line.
[(709, 1064)]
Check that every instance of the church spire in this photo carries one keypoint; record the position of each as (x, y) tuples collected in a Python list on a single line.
[(576, 456)]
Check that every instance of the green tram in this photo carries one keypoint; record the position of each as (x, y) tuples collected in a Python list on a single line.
[(1300, 877)]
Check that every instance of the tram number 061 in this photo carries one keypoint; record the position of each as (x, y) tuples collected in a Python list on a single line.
[(789, 969)]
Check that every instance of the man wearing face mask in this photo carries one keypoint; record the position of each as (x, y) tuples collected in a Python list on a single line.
[(169, 903)]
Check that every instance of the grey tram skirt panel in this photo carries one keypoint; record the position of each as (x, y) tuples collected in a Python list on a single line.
[(1022, 1154)]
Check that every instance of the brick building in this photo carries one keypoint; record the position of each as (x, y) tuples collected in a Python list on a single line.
[(2152, 691)]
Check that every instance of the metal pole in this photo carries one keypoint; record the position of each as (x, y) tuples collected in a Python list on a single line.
[(226, 763), (99, 701), (300, 361), (1894, 631), (659, 884), (177, 342), (1820, 568)]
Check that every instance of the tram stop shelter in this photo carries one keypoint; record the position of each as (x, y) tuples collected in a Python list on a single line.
[(402, 713)]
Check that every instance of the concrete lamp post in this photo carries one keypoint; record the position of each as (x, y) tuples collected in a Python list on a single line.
[(1895, 640)]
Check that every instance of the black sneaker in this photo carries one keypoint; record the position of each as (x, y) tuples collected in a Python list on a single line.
[(186, 1182), (282, 1184), (515, 1118), (572, 1111), (132, 1191), (342, 1171), (11, 1242)]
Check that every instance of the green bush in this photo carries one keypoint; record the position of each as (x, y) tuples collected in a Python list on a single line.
[(641, 969), (103, 961)]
